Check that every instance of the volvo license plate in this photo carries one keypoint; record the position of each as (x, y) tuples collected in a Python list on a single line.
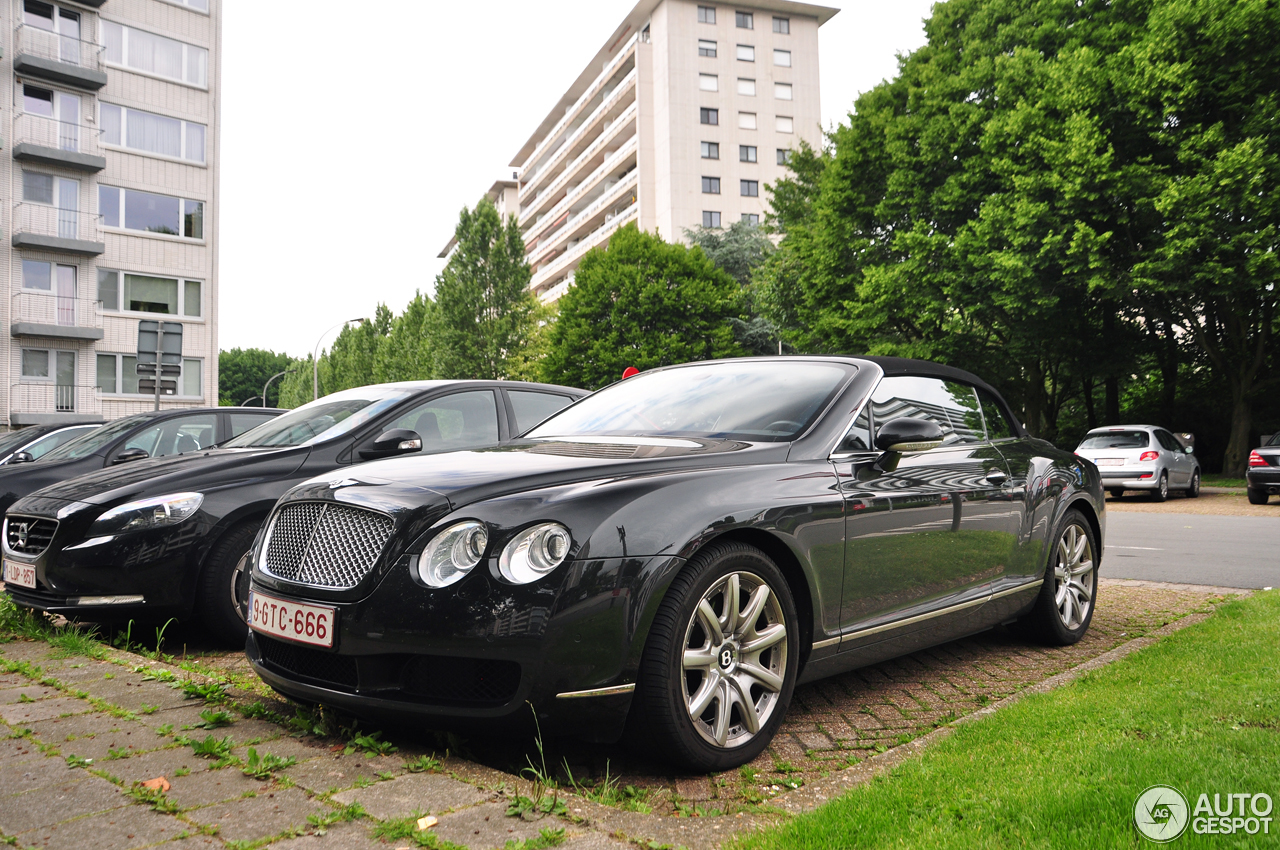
[(23, 575), (284, 618)]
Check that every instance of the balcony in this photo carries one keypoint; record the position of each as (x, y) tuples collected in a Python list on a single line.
[(49, 228), (50, 403), (588, 229), (52, 316), (39, 138), (62, 59), (584, 196)]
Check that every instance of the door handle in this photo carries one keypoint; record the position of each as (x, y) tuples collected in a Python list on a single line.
[(997, 477)]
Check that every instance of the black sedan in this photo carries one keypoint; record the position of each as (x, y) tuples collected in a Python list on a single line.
[(144, 435), (1263, 472), (677, 551), (163, 538), (35, 441)]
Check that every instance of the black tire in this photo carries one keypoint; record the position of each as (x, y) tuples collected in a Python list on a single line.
[(220, 597), (663, 691), (1257, 497), (1162, 488), (1193, 489), (1115, 492), (1045, 621)]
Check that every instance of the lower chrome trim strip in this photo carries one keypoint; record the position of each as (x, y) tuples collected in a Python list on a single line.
[(822, 644), (1031, 585), (598, 692), (973, 603)]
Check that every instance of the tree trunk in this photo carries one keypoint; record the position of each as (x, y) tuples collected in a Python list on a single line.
[(1090, 409), (1235, 460), (1112, 412), (1167, 355)]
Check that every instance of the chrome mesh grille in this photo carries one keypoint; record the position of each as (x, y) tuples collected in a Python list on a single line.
[(29, 535), (325, 545)]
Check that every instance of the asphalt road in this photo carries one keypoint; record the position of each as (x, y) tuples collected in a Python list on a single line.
[(1229, 551)]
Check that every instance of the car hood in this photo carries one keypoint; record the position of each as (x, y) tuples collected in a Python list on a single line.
[(193, 471), (471, 476)]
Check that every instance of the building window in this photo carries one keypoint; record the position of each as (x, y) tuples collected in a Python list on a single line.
[(35, 363), (150, 213), (708, 82), (746, 153), (782, 58), (151, 133), (710, 150), (785, 124), (751, 218), (746, 120), (198, 5), (744, 20), (782, 25), (710, 116), (711, 185), (149, 294), (750, 188), (706, 48), (746, 53), (117, 374), (746, 88), (42, 276), (149, 53), (784, 156), (706, 14), (59, 107), (782, 91), (61, 192), (710, 219)]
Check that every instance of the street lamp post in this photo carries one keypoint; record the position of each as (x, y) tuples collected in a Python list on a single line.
[(272, 378), (245, 403), (315, 359)]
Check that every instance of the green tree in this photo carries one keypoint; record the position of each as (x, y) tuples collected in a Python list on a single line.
[(295, 388), (484, 313), (352, 359), (640, 302), (740, 250), (404, 354), (243, 371)]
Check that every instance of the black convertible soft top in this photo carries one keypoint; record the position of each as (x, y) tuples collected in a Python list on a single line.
[(928, 369)]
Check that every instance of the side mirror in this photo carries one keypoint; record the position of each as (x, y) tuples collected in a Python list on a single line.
[(1190, 450), (22, 457), (397, 441), (130, 454), (909, 435)]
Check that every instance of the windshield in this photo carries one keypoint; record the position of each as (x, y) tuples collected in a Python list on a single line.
[(95, 439), (1116, 440), (761, 400), (1275, 440), (323, 419)]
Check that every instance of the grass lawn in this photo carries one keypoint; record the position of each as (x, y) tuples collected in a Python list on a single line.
[(1219, 480), (1199, 711)]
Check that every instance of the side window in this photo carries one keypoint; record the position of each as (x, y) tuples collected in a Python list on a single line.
[(458, 421), (145, 440), (47, 443), (187, 434), (859, 437), (953, 406), (241, 422), (998, 425), (531, 408), (1166, 439)]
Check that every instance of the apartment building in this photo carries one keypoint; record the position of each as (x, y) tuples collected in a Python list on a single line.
[(680, 120), (111, 206)]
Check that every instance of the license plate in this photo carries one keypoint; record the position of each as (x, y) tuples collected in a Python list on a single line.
[(1110, 461), (282, 618), (23, 575)]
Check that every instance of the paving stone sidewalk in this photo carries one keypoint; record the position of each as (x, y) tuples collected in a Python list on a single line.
[(83, 734)]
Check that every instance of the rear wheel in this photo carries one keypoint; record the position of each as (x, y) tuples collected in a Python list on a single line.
[(1257, 497), (1162, 488), (1194, 489), (219, 601), (720, 662), (1064, 607)]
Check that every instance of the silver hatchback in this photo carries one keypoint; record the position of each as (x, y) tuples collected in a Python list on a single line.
[(1142, 457)]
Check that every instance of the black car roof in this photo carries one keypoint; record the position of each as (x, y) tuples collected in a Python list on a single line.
[(925, 368)]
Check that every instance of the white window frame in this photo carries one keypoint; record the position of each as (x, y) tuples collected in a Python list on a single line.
[(785, 124), (746, 53), (182, 205), (124, 135), (124, 65), (186, 4), (782, 58), (49, 366), (180, 316), (746, 87), (783, 91), (706, 217), (742, 153), (707, 45), (706, 14), (119, 393), (707, 148), (750, 18), (747, 121), (708, 82), (751, 218), (782, 26)]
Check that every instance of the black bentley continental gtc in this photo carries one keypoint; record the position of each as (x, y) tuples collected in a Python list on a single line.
[(678, 551)]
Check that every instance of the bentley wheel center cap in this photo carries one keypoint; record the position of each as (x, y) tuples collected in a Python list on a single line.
[(728, 656)]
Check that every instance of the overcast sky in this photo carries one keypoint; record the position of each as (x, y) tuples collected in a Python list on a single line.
[(351, 140)]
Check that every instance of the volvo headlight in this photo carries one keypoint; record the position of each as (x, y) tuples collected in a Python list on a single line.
[(534, 552), (453, 553), (147, 513)]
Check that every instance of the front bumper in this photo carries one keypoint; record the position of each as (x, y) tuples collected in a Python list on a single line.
[(1266, 478), (480, 650)]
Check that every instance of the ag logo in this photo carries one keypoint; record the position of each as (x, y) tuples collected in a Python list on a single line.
[(1161, 813)]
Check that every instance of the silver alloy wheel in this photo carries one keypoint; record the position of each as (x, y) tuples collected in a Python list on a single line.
[(1164, 485), (735, 657), (1073, 576), (239, 574)]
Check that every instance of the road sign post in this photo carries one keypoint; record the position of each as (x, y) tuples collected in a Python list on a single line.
[(160, 356)]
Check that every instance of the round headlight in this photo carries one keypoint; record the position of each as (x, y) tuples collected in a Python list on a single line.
[(534, 552), (453, 553)]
